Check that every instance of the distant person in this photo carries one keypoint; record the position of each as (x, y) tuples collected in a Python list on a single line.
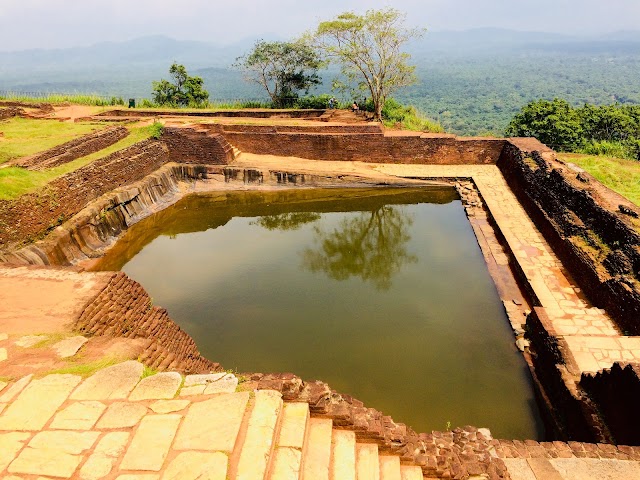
[(355, 108), (332, 103)]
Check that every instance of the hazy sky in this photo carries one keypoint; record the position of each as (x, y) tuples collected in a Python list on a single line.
[(63, 23)]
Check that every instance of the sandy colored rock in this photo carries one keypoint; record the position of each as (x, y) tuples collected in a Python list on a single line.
[(343, 458), (519, 469), (286, 464), (50, 462), (212, 425), (197, 466), (30, 340), (67, 442), (3, 354), (169, 406), (53, 453), (191, 391), (259, 439), (38, 402), (318, 452), (122, 415), (3, 337), (15, 389), (2, 385), (389, 467), (159, 386), (151, 443), (143, 476), (106, 453), (78, 416), (214, 383), (367, 463), (10, 445), (294, 425), (410, 472), (111, 383), (69, 346)]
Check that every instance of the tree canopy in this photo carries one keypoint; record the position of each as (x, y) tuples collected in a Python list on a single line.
[(368, 49), (606, 129), (184, 91), (282, 68)]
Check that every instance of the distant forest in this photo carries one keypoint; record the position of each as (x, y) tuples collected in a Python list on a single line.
[(471, 82)]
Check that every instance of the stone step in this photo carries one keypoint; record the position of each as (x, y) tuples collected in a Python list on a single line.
[(257, 449), (367, 462), (290, 444), (390, 467), (410, 472), (317, 453), (343, 455)]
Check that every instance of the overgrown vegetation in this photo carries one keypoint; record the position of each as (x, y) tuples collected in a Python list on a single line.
[(601, 130), (15, 181), (620, 175), (57, 99), (407, 117)]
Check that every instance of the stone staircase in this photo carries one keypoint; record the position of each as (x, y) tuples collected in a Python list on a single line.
[(119, 424), (295, 446)]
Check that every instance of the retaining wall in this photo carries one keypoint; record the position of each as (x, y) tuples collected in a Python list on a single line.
[(244, 113), (599, 246), (443, 150), (77, 148), (33, 215), (124, 309), (616, 392), (197, 146)]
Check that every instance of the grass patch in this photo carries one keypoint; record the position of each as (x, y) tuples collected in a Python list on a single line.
[(86, 369), (56, 99), (148, 371), (25, 136), (620, 175), (15, 181)]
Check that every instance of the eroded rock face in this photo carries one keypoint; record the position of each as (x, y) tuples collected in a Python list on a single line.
[(596, 243)]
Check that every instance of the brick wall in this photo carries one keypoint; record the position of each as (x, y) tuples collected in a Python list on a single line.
[(124, 309), (76, 148), (445, 150), (197, 146), (33, 215), (598, 244)]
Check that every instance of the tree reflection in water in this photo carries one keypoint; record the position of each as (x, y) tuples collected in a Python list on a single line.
[(286, 221), (371, 246)]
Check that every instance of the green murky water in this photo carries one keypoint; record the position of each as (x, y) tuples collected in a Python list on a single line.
[(382, 293)]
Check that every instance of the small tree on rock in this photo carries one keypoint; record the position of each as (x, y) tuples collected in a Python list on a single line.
[(368, 49), (282, 68), (184, 91)]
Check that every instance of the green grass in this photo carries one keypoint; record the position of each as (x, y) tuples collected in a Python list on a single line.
[(620, 175), (15, 181), (24, 136), (86, 369), (56, 99)]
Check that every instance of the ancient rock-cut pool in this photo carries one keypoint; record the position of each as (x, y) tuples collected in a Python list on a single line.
[(381, 293)]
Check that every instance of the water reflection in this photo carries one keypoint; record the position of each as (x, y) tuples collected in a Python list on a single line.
[(382, 293), (372, 246)]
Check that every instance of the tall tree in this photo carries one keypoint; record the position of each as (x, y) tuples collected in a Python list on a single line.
[(282, 68), (184, 91), (368, 49)]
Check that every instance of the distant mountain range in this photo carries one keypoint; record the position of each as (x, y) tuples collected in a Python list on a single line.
[(481, 74)]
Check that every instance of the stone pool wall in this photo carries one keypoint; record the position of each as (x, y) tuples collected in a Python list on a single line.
[(34, 215), (411, 149), (125, 309), (599, 245)]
